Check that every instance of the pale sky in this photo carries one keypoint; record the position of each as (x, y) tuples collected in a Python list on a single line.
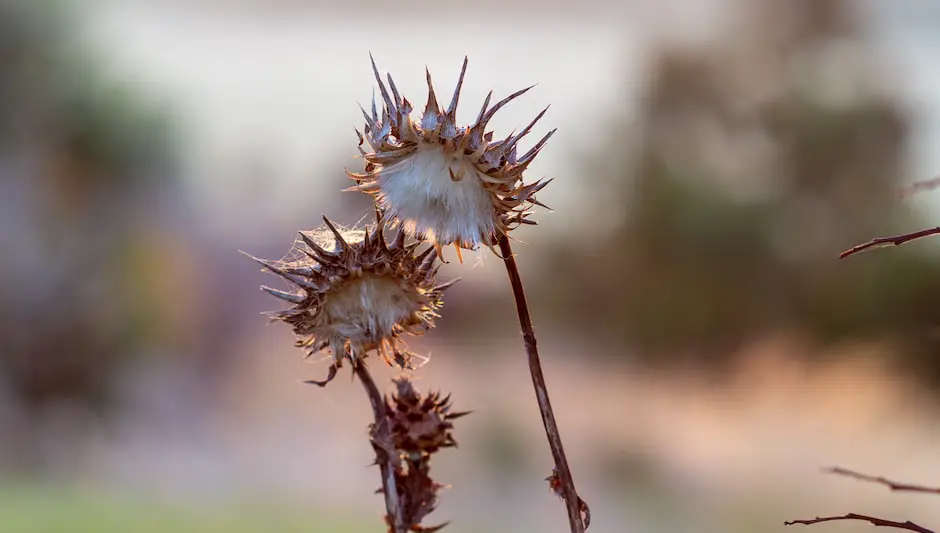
[(274, 90)]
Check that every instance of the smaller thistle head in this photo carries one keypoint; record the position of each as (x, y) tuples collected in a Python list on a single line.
[(445, 183), (354, 293), (420, 425), (417, 426)]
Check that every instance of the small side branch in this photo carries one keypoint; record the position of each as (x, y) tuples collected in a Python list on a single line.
[(908, 525), (896, 240), (893, 485), (875, 521), (919, 186)]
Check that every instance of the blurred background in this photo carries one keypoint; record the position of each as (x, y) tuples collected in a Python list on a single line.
[(706, 350)]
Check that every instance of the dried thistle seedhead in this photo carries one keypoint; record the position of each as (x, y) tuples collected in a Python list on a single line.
[(356, 293), (445, 183), (414, 428), (420, 425)]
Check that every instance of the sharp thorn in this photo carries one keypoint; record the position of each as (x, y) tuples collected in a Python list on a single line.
[(452, 108), (339, 236), (378, 78), (286, 296)]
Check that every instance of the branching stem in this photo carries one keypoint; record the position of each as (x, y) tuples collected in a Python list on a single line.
[(873, 520)]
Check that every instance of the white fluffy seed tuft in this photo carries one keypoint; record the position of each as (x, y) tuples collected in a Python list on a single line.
[(368, 309), (439, 197)]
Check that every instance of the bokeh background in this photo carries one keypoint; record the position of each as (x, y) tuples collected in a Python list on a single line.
[(706, 350)]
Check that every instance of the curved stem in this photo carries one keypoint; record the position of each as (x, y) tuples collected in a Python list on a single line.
[(574, 504), (385, 454)]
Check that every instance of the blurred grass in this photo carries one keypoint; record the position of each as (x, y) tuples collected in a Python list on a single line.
[(46, 509)]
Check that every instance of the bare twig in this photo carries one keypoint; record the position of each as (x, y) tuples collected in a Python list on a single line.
[(385, 454), (573, 502), (919, 186), (896, 240), (910, 526), (893, 485)]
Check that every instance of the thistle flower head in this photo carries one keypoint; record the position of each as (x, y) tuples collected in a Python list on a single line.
[(355, 293), (445, 183)]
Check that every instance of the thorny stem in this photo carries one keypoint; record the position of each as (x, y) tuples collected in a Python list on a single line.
[(573, 503), (384, 450)]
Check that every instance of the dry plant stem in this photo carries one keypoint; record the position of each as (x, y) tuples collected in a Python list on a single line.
[(383, 446), (572, 501), (908, 525), (895, 240), (920, 186), (893, 485)]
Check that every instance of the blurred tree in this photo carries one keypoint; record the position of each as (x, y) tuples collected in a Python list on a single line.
[(757, 157), (83, 160)]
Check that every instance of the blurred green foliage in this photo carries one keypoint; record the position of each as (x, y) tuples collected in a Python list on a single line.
[(755, 159), (53, 83), (87, 167), (28, 509)]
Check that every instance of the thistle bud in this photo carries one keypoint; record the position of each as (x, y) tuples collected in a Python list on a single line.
[(420, 425), (417, 427)]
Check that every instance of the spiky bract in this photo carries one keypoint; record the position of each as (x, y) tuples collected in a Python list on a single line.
[(444, 183), (358, 293)]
